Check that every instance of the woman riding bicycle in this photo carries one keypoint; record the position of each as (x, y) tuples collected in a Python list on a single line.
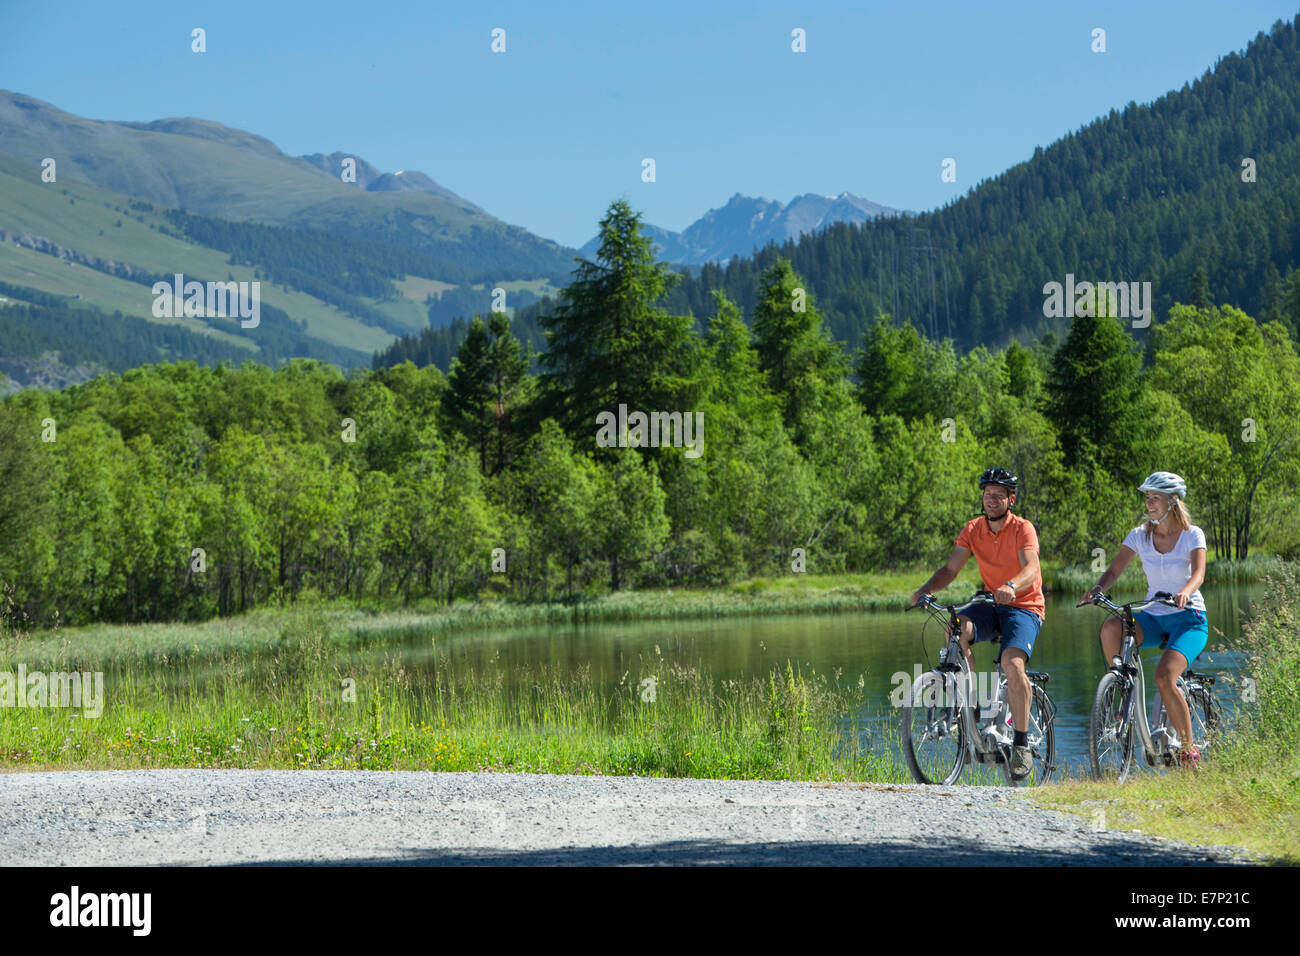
[(1172, 550)]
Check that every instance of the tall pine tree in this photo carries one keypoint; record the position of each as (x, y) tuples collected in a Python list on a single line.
[(794, 349), (1093, 390), (608, 343), (488, 391)]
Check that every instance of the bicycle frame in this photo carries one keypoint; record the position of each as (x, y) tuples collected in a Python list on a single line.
[(1135, 695), (952, 686), (952, 660), (1131, 672)]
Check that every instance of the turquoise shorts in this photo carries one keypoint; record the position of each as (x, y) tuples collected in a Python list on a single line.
[(1188, 631)]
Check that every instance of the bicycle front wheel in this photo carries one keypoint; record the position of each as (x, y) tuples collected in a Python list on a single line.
[(1205, 717), (934, 741), (1110, 734)]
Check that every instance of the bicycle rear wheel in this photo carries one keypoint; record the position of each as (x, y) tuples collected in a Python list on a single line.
[(1110, 737), (1205, 717), (934, 741)]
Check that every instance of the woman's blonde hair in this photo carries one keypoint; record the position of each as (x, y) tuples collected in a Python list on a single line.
[(1178, 512)]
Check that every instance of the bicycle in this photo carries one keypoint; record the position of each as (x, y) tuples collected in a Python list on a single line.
[(940, 734), (1119, 706)]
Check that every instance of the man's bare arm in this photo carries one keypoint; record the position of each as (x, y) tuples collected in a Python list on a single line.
[(946, 574)]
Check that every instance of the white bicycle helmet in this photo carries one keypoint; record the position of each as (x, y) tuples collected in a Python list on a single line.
[(1165, 482)]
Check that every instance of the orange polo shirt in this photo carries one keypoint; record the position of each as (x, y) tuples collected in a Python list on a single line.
[(998, 556)]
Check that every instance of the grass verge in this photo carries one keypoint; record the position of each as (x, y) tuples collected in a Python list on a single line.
[(1248, 792)]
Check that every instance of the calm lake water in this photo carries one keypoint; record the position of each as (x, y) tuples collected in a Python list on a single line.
[(873, 646)]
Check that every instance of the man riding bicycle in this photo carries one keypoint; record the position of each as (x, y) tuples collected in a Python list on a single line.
[(1006, 552)]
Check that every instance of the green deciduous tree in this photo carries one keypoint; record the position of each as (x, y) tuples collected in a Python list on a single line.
[(628, 511), (902, 373), (233, 529), (1239, 383), (556, 490)]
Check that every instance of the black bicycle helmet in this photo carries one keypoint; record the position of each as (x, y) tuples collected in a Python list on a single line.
[(1000, 476)]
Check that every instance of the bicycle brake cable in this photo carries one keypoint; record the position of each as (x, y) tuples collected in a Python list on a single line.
[(925, 655), (929, 618)]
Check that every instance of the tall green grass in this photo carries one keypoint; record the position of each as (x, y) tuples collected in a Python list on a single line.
[(304, 700)]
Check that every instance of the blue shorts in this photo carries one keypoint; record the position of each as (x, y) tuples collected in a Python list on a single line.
[(1019, 627), (1188, 631)]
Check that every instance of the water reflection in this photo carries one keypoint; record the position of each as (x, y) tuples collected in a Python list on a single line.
[(870, 648)]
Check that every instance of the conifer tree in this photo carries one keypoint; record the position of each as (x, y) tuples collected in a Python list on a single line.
[(608, 342), (488, 391)]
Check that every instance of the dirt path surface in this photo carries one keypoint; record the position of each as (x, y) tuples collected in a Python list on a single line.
[(223, 817)]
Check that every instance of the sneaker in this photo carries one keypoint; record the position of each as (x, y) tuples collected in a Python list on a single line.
[(1022, 763), (1189, 759)]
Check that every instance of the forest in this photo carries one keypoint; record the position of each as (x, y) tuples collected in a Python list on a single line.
[(179, 491)]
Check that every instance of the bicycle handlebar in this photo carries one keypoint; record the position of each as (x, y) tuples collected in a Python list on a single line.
[(927, 601), (1101, 600)]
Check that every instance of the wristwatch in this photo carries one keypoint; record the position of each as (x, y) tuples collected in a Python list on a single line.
[(1008, 584)]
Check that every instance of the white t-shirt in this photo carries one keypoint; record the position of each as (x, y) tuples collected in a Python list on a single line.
[(1168, 572)]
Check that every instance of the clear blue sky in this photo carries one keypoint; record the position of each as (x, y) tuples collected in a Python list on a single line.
[(548, 133)]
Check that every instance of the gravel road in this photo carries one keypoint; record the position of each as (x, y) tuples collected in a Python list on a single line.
[(205, 817)]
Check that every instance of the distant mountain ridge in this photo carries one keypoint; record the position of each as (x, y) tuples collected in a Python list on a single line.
[(746, 223), (205, 167), (372, 180)]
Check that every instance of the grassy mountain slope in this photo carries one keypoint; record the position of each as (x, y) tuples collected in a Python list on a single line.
[(96, 223), (102, 252), (209, 168)]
